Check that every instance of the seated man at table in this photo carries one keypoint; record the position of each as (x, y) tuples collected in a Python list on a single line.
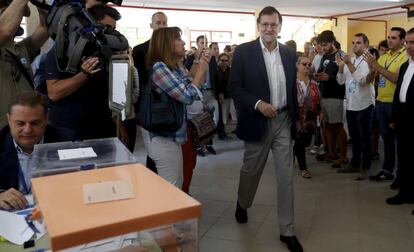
[(27, 119)]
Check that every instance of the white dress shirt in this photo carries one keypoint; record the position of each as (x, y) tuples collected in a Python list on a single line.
[(316, 62), (27, 165), (407, 80), (276, 76), (359, 94)]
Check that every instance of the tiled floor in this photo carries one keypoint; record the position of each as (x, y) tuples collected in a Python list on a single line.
[(333, 213)]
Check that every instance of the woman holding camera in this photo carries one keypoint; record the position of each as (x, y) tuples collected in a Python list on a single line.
[(308, 101), (168, 75)]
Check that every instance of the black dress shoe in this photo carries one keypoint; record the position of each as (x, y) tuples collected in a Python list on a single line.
[(382, 176), (399, 199), (292, 243), (241, 214), (395, 185), (210, 149)]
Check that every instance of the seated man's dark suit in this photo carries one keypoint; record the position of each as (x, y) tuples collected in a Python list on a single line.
[(9, 162)]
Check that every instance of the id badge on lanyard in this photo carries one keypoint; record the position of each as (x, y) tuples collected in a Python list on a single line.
[(381, 82), (352, 86)]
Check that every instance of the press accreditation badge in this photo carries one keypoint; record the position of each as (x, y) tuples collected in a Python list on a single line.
[(352, 86), (381, 82)]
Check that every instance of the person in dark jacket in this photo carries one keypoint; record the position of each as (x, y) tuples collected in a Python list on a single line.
[(28, 125), (139, 54)]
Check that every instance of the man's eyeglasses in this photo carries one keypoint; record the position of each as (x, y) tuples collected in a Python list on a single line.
[(272, 25), (306, 64)]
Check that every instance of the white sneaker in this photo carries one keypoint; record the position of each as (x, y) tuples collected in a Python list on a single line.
[(321, 150)]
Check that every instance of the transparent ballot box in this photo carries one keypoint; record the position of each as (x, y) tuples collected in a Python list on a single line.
[(62, 157), (120, 208)]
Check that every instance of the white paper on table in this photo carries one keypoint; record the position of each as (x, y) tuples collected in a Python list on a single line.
[(40, 226), (76, 153), (13, 227), (119, 82), (30, 199)]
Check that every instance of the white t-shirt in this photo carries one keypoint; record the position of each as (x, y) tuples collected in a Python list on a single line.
[(194, 109), (316, 62)]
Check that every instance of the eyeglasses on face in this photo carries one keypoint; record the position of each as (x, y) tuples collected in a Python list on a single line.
[(308, 64), (224, 60)]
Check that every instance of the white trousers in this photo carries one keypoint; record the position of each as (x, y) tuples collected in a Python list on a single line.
[(167, 156)]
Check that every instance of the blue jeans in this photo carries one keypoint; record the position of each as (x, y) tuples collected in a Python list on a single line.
[(383, 113), (359, 127)]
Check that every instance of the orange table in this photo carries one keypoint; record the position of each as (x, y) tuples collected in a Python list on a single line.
[(70, 222)]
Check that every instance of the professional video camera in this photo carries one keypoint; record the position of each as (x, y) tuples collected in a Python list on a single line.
[(77, 34)]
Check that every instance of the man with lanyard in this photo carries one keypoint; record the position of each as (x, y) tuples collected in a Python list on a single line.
[(360, 96), (387, 67), (27, 118)]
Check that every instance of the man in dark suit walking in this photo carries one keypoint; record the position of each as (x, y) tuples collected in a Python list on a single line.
[(401, 121), (263, 86), (158, 20)]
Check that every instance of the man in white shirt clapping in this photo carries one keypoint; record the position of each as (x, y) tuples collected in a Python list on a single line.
[(360, 98)]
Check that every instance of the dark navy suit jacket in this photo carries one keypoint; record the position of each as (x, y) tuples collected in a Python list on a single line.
[(249, 83), (399, 116), (9, 162)]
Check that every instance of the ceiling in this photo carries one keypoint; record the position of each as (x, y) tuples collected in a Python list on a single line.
[(324, 8)]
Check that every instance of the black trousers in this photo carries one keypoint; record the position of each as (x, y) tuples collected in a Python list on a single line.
[(360, 130), (131, 129), (299, 151), (405, 140)]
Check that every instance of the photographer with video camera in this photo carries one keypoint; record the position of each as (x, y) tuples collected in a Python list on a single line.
[(80, 101), (16, 58)]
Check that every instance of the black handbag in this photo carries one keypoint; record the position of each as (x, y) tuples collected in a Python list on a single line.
[(159, 113)]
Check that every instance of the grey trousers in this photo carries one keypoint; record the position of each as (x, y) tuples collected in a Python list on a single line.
[(278, 139)]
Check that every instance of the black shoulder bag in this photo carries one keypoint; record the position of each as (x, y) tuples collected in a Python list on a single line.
[(159, 113)]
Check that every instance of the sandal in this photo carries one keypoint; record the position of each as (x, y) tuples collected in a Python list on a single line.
[(340, 163), (305, 174)]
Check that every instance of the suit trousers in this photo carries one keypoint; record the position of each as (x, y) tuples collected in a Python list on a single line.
[(405, 138), (278, 139)]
